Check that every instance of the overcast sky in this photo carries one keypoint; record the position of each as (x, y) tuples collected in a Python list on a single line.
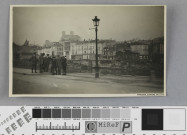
[(120, 23)]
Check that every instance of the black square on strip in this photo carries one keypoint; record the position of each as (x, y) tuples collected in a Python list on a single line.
[(46, 113), (152, 119), (36, 113)]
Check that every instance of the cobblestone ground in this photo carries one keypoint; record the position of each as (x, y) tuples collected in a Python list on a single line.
[(24, 82)]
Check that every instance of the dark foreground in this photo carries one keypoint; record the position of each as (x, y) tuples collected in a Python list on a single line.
[(24, 82)]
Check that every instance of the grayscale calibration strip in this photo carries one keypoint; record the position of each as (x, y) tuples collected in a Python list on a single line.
[(93, 120)]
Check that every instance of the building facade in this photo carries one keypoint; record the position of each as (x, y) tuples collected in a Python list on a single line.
[(70, 37), (156, 50), (86, 50), (142, 50)]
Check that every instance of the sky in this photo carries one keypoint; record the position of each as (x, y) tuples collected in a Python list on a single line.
[(119, 23)]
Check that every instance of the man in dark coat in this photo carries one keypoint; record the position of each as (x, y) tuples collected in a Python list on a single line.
[(44, 63), (41, 62), (64, 65), (33, 62), (47, 62), (54, 66), (59, 65)]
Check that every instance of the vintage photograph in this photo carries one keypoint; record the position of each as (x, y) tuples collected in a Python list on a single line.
[(87, 50)]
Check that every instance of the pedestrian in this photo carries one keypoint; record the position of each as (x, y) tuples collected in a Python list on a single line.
[(59, 65), (33, 62), (50, 64), (47, 63), (54, 66), (44, 62), (41, 62), (64, 64)]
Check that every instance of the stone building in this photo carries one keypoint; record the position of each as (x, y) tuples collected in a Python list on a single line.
[(86, 50), (53, 49), (69, 37), (142, 50), (156, 50)]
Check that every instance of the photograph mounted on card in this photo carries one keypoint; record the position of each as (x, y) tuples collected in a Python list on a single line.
[(87, 51)]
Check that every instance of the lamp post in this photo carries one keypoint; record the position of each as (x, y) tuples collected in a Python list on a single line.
[(96, 23)]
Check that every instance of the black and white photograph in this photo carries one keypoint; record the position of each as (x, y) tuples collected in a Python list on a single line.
[(87, 50)]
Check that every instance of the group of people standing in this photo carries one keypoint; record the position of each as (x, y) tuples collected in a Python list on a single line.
[(55, 65)]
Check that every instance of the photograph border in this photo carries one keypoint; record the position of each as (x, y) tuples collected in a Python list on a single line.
[(78, 95)]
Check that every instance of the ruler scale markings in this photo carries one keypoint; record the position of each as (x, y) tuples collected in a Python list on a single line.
[(55, 127)]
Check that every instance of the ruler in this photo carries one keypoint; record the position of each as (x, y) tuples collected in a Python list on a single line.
[(93, 120)]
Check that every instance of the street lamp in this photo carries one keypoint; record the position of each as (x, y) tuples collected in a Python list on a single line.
[(96, 23)]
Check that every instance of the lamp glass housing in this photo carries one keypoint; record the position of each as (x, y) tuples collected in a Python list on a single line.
[(96, 21)]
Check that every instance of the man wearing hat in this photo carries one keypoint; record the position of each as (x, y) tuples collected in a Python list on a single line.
[(34, 62), (47, 62), (64, 64), (59, 65), (41, 61), (54, 66)]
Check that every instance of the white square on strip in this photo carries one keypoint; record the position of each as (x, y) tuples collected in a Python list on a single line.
[(174, 119)]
